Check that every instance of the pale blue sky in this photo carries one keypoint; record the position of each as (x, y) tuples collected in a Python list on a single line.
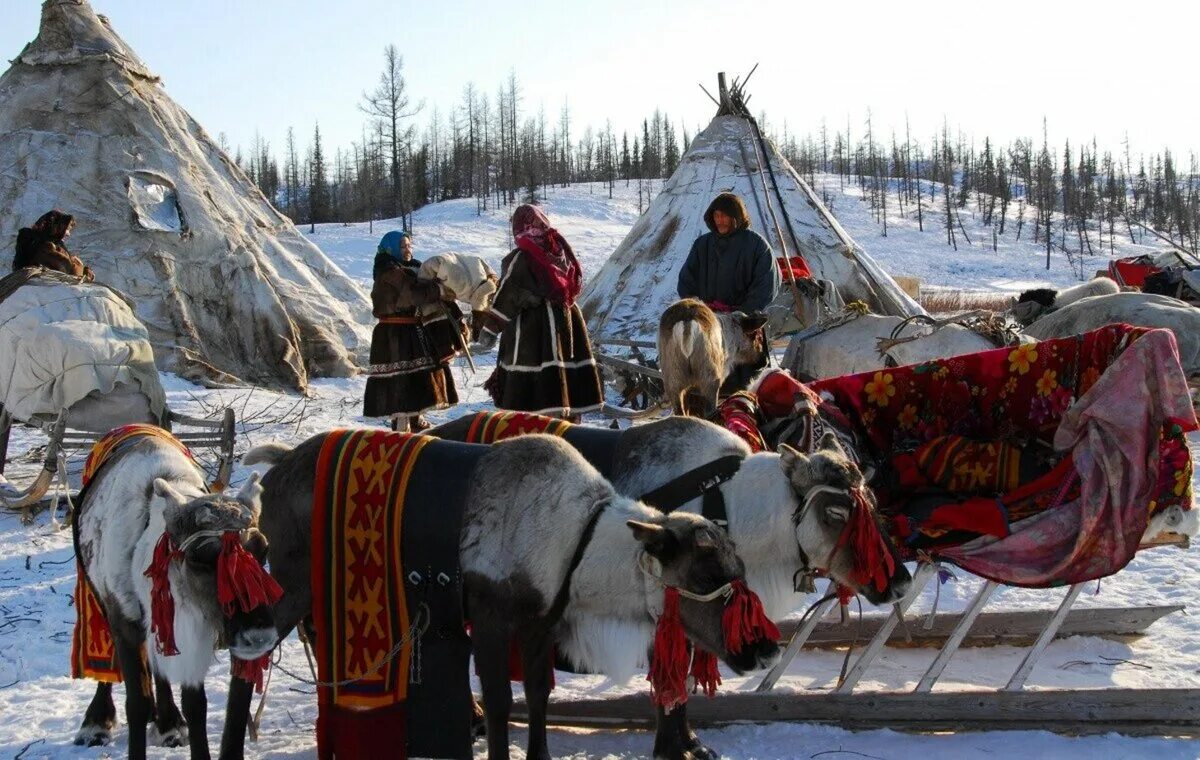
[(993, 68)]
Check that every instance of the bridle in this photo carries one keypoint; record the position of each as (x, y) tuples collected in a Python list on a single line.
[(653, 570), (804, 579)]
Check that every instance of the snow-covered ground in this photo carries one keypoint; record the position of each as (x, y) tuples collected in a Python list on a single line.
[(41, 707)]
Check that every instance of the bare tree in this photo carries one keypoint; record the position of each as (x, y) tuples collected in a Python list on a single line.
[(390, 104)]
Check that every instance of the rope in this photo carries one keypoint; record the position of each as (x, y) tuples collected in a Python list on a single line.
[(647, 564), (416, 630)]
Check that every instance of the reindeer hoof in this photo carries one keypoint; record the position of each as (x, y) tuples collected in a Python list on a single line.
[(174, 737), (93, 736)]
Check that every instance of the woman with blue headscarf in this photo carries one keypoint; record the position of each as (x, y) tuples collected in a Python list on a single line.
[(410, 355)]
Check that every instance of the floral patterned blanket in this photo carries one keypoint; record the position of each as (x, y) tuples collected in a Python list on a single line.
[(1057, 453)]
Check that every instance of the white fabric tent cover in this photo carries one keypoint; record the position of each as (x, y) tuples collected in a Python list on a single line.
[(62, 342), (638, 282), (226, 285)]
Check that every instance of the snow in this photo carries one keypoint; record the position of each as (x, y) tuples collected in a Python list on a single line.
[(42, 706)]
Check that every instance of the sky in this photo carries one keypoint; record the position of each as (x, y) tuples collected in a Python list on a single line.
[(1094, 69)]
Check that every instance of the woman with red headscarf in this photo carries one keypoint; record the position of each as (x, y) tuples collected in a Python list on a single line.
[(545, 362)]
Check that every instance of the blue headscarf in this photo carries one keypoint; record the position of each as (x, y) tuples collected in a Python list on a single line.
[(390, 252)]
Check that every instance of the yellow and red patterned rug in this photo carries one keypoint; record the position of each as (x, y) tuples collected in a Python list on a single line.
[(364, 627)]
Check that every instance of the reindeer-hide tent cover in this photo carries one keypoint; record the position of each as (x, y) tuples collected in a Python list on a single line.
[(226, 285), (638, 282)]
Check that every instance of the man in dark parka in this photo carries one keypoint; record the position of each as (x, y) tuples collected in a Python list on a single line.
[(731, 268)]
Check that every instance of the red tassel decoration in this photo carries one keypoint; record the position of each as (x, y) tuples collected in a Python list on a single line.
[(251, 671), (704, 670), (873, 562), (669, 668), (241, 580), (744, 620), (162, 604)]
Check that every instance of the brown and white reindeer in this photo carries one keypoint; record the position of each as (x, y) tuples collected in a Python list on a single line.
[(698, 348), (177, 570), (556, 557), (787, 512), (550, 554)]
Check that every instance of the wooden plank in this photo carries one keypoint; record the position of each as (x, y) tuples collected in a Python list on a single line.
[(965, 622), (1158, 712), (1021, 674), (624, 342), (794, 644), (627, 366), (995, 628), (925, 573)]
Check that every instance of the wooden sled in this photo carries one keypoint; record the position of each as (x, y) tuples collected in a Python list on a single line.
[(218, 435), (1162, 712)]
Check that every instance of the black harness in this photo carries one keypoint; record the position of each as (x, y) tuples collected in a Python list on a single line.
[(704, 481)]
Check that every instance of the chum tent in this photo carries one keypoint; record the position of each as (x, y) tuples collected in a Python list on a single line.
[(625, 299), (227, 286)]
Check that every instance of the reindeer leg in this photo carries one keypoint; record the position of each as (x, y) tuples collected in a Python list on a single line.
[(172, 730), (138, 706), (99, 720), (195, 709), (668, 736), (490, 639), (535, 659), (691, 743), (292, 610), (237, 716)]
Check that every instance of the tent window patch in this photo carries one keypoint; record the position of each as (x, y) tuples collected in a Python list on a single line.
[(155, 203)]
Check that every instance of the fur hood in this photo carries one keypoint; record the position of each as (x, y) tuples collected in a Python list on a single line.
[(732, 206)]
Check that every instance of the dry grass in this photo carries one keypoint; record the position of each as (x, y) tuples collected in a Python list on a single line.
[(949, 301)]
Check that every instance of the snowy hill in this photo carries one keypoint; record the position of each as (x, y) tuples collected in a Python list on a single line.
[(42, 706)]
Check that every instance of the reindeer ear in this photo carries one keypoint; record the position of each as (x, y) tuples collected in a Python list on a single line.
[(655, 539), (165, 490), (251, 496), (795, 465), (830, 442), (751, 322)]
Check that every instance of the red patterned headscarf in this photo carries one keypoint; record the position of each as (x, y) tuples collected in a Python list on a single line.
[(554, 263)]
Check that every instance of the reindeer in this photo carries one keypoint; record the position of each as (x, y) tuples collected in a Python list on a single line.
[(556, 556), (551, 495), (1031, 305), (786, 512), (698, 349), (148, 509)]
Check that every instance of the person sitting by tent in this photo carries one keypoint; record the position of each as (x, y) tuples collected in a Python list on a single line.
[(44, 245), (410, 362), (545, 361), (731, 268)]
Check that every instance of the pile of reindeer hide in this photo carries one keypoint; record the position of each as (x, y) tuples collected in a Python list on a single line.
[(62, 340)]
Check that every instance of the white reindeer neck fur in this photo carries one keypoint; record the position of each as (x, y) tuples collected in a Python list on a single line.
[(761, 503), (608, 625)]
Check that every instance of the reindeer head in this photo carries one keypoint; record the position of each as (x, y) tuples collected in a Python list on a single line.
[(837, 528), (742, 336), (214, 533), (690, 554)]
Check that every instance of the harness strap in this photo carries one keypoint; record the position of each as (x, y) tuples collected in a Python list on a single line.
[(564, 591), (704, 481)]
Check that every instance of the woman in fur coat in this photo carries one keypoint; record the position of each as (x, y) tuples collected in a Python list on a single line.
[(410, 354), (45, 244), (544, 363)]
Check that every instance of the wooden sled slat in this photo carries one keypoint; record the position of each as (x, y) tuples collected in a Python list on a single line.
[(992, 628), (1135, 712)]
